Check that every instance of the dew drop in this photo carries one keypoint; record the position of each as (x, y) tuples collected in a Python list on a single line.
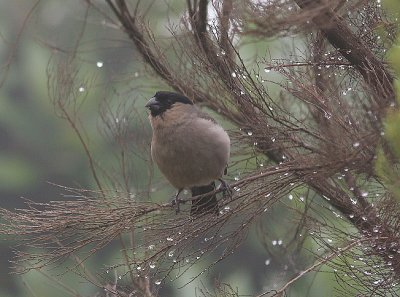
[(81, 89), (233, 74), (356, 144), (152, 265), (267, 262), (267, 70), (99, 64), (157, 282), (290, 197)]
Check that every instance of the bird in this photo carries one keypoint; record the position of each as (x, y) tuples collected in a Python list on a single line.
[(190, 149)]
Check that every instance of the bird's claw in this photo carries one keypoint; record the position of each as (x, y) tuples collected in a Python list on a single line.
[(226, 188), (177, 202)]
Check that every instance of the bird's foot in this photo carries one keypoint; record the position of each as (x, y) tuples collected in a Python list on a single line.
[(176, 201), (226, 188)]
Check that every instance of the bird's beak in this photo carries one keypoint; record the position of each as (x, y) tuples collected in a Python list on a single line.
[(152, 103)]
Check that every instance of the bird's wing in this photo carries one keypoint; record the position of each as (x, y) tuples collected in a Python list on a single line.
[(206, 116)]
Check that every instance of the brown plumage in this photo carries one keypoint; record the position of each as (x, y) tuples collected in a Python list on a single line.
[(189, 147)]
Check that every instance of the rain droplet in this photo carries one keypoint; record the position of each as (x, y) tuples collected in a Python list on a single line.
[(356, 144), (170, 239), (151, 246), (81, 89), (290, 197), (157, 282), (152, 265), (267, 70), (233, 74), (267, 262), (99, 64), (249, 133), (364, 194)]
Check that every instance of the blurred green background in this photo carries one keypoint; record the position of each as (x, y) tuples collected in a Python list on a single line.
[(37, 148)]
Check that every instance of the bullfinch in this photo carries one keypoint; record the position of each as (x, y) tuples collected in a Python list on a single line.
[(189, 147)]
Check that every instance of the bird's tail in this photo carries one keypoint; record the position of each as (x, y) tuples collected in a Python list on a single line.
[(205, 204)]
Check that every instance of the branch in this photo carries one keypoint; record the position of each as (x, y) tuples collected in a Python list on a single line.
[(339, 34)]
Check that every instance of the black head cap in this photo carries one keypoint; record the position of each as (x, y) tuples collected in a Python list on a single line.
[(163, 100)]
